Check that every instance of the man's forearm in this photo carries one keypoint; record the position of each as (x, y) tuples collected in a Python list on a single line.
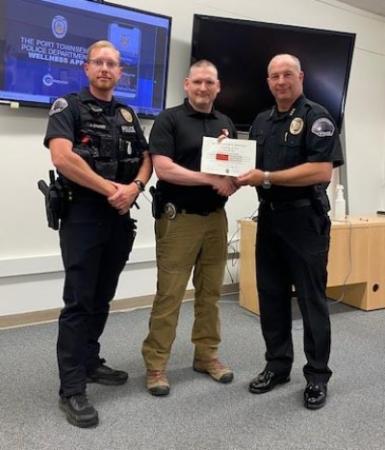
[(303, 175), (167, 170), (145, 170)]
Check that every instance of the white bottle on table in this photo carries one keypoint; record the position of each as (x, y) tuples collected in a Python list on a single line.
[(339, 204)]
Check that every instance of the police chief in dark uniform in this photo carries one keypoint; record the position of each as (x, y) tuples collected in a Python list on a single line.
[(190, 228), (297, 148), (99, 150)]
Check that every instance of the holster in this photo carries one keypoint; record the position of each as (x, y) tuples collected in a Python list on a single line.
[(56, 200), (157, 202)]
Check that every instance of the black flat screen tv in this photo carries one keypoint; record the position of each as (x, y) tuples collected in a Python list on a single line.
[(43, 45), (241, 49)]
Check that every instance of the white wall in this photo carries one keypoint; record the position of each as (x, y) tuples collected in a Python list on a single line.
[(30, 277)]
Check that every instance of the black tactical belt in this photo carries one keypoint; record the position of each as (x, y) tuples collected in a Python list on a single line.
[(286, 205), (194, 211), (171, 210)]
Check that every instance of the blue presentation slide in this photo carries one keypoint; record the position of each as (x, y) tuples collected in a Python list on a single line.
[(46, 45)]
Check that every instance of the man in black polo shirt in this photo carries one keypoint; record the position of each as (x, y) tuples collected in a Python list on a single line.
[(298, 146), (191, 231)]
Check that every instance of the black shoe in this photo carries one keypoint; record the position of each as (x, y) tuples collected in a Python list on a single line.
[(105, 375), (266, 381), (79, 411), (315, 395)]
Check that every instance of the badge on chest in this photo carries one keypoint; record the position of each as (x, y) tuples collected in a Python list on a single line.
[(296, 126)]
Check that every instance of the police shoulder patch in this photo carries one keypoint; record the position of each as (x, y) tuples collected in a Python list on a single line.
[(323, 127), (59, 105)]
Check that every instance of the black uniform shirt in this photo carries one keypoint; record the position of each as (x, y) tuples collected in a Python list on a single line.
[(306, 133), (64, 120), (178, 134)]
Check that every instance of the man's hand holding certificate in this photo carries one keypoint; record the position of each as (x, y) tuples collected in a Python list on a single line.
[(232, 157)]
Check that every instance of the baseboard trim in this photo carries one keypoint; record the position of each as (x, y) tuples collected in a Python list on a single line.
[(125, 304)]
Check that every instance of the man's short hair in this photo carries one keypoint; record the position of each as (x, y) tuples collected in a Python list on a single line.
[(202, 63), (101, 44)]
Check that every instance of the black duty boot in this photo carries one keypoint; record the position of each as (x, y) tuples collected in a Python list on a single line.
[(315, 395), (266, 381), (105, 375), (79, 411)]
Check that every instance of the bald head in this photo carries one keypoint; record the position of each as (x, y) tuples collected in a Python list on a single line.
[(285, 57), (285, 80)]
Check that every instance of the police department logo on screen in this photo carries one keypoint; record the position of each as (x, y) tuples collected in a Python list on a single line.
[(59, 26)]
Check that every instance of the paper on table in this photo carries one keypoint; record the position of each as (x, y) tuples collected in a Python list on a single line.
[(231, 157)]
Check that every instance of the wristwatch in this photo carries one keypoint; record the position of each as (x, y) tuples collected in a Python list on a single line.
[(140, 184), (266, 183)]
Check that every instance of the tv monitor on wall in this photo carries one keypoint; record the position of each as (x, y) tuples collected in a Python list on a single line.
[(43, 45), (241, 49)]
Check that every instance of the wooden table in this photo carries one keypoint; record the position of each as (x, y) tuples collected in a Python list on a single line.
[(356, 268)]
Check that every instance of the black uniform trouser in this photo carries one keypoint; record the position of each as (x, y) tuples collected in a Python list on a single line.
[(95, 243), (292, 249)]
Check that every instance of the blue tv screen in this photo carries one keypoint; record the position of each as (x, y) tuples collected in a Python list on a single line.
[(43, 46)]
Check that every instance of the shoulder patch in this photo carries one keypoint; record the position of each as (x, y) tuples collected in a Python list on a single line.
[(59, 105), (323, 127)]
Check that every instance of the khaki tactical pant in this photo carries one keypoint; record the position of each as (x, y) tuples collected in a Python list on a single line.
[(186, 242)]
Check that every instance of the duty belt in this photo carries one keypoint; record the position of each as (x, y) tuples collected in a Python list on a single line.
[(286, 205), (171, 210)]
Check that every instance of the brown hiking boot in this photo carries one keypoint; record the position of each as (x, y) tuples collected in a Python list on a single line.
[(157, 383), (215, 369)]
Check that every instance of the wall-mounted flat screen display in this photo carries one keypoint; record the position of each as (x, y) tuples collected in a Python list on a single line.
[(43, 45), (241, 49)]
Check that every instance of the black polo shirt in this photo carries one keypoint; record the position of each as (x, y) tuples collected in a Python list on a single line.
[(178, 134), (305, 133)]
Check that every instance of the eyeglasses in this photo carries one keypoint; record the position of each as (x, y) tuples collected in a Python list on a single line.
[(100, 63)]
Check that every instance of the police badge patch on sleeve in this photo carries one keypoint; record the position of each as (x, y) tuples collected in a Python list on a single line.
[(323, 127), (59, 105)]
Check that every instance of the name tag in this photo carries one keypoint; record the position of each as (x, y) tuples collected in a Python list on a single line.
[(99, 126), (126, 129)]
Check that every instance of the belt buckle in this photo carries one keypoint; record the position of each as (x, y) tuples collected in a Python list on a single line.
[(170, 210)]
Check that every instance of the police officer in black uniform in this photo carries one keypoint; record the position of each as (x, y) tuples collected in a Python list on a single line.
[(100, 152), (298, 146)]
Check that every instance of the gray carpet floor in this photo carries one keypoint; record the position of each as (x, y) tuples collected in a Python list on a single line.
[(199, 414)]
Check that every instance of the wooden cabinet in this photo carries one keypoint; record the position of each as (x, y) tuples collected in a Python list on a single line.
[(356, 268)]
